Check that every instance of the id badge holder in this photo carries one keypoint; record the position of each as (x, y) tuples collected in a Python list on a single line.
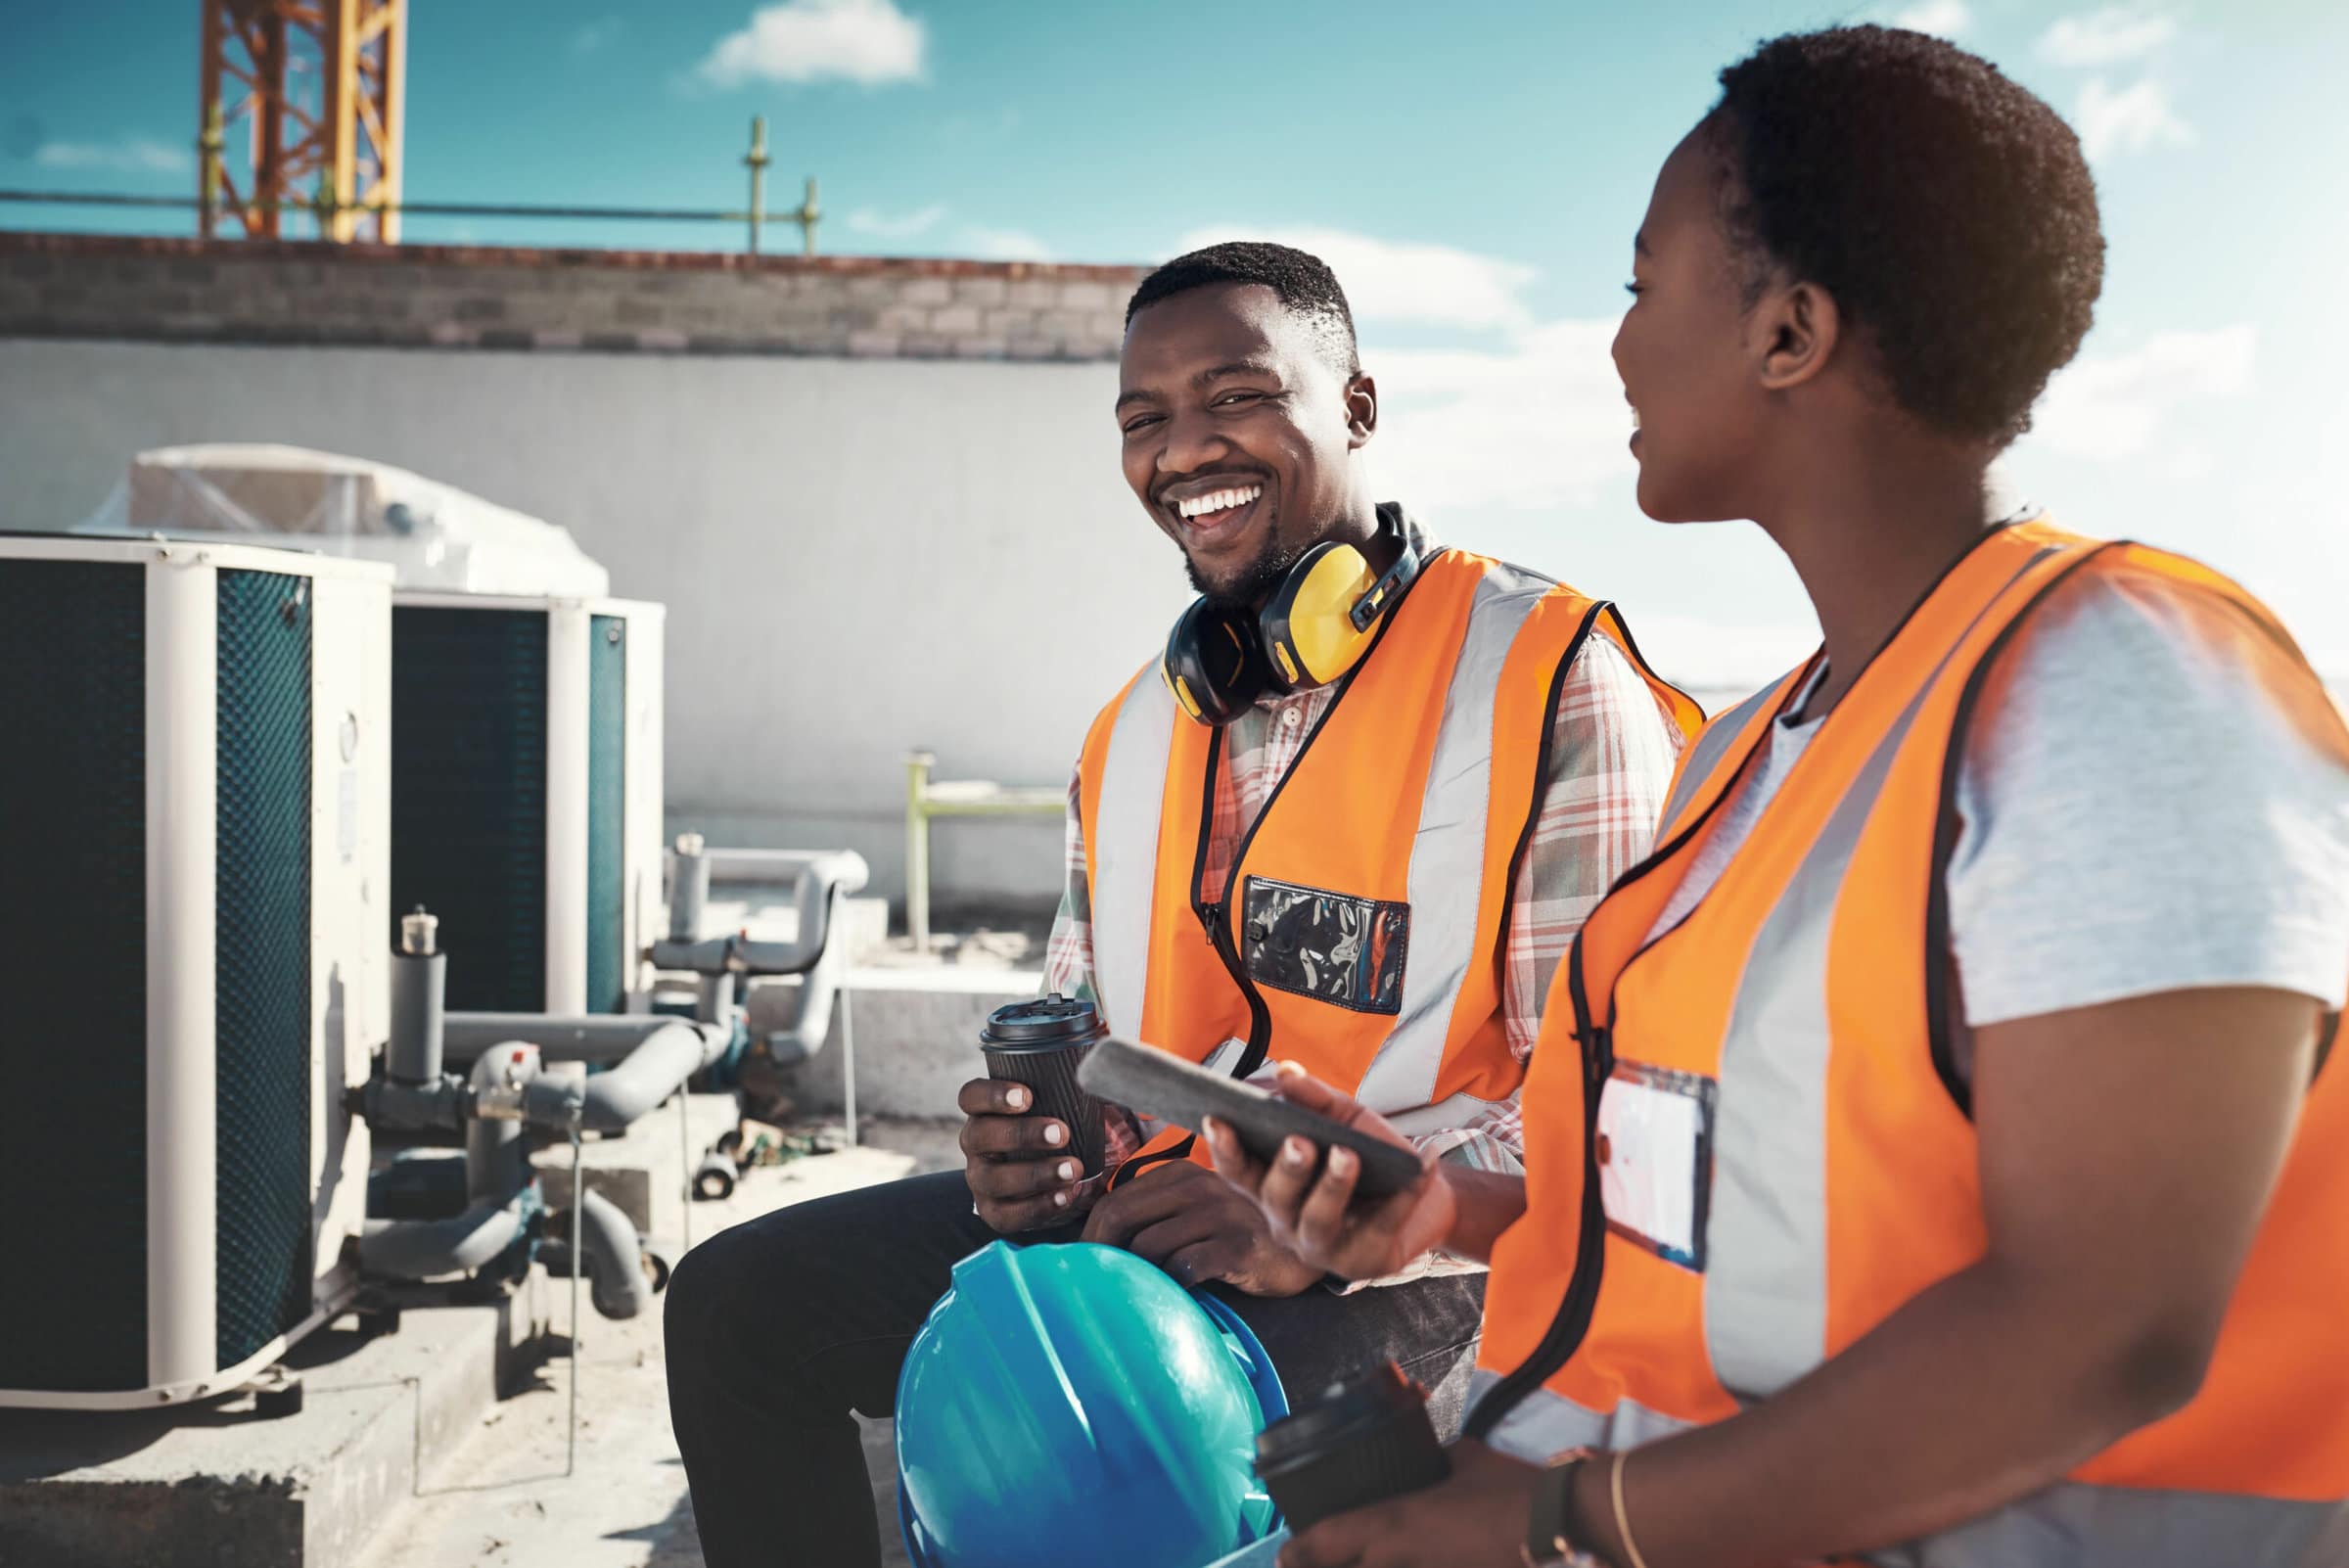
[(1654, 1152)]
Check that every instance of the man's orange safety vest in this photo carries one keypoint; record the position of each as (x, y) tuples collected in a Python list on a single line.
[(1780, 1154), (1359, 931)]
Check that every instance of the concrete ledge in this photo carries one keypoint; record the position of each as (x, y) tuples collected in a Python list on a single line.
[(219, 1486)]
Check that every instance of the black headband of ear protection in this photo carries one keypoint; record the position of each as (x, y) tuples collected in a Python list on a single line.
[(1217, 660)]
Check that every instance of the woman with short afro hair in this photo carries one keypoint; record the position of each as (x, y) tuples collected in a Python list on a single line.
[(1932, 1157)]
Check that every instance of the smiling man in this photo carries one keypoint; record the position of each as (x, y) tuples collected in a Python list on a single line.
[(1352, 819)]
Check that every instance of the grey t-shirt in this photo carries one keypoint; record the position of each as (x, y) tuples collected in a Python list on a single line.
[(2139, 814)]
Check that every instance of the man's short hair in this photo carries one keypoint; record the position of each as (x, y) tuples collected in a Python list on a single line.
[(1304, 283), (1946, 206)]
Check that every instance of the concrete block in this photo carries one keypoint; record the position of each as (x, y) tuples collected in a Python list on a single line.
[(1091, 296), (926, 292), (982, 291), (213, 1487), (917, 1035), (1034, 294), (955, 320), (874, 344), (981, 349)]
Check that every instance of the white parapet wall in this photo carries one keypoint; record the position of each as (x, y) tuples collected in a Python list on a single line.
[(901, 526)]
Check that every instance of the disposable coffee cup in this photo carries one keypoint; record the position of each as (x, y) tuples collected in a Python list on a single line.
[(1362, 1441), (1040, 1044)]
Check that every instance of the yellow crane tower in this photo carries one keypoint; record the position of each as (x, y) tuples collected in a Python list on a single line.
[(313, 90)]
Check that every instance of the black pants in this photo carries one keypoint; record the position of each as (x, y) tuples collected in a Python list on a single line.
[(779, 1327)]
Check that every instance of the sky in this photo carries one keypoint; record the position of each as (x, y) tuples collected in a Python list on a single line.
[(1473, 171)]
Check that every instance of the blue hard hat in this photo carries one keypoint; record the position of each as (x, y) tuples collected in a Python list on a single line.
[(1063, 1396)]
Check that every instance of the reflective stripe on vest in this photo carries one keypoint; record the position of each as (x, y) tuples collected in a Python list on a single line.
[(2069, 1524), (1809, 988), (1394, 800)]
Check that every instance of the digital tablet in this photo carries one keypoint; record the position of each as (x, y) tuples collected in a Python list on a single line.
[(1161, 1084)]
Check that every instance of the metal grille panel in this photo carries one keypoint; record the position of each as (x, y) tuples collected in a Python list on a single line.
[(469, 796), (262, 1266), (72, 965), (607, 811)]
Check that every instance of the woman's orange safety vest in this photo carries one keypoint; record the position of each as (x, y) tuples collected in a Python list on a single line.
[(1359, 931), (1781, 1154)]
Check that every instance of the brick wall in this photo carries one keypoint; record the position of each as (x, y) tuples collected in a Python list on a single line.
[(465, 296)]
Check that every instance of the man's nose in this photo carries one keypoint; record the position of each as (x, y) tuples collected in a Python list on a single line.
[(1192, 444)]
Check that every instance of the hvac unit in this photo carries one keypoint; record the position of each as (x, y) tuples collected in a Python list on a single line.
[(526, 794), (195, 812)]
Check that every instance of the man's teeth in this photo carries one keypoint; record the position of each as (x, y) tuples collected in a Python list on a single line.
[(1634, 419), (1220, 501)]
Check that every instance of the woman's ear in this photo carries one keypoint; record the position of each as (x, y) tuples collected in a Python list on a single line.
[(1795, 330)]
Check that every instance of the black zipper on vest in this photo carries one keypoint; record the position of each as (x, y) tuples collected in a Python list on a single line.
[(1572, 1320), (1541, 762)]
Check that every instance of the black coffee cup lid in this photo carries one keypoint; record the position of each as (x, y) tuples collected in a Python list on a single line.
[(1340, 1414), (1052, 1020)]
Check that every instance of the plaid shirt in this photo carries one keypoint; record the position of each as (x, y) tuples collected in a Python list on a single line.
[(1612, 751)]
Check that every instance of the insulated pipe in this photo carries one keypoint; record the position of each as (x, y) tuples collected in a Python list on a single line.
[(652, 1072), (815, 877), (419, 983), (593, 1038), (423, 1249), (689, 890), (845, 866), (814, 1021), (497, 1156), (618, 1285)]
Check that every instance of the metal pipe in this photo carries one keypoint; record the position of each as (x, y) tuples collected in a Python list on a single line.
[(757, 161), (423, 209), (618, 1285)]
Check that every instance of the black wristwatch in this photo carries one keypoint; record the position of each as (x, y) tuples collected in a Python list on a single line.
[(1549, 1527)]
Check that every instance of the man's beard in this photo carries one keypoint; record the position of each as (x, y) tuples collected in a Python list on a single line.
[(1257, 580)]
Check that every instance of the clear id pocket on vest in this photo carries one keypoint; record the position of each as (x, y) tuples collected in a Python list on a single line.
[(1328, 946), (1654, 1151)]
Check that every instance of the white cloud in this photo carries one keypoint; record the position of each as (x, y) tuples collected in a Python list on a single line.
[(1946, 18), (867, 42), (593, 36), (1539, 424), (2113, 406), (1002, 245), (2131, 120), (2101, 37), (132, 154), (895, 225), (1384, 280)]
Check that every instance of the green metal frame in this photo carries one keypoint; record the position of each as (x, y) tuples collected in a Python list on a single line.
[(926, 798)]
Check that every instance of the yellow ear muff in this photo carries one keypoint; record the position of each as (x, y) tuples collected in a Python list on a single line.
[(1309, 624)]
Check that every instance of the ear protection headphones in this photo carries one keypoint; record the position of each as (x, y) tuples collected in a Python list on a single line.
[(1315, 627)]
